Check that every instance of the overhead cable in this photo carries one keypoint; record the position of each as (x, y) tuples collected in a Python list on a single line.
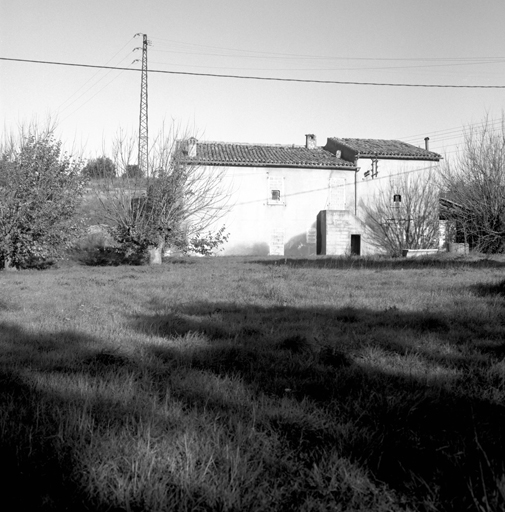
[(272, 79), (333, 57)]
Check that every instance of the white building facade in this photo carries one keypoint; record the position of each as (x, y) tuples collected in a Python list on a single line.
[(277, 194)]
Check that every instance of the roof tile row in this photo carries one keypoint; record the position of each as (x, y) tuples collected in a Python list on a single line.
[(223, 153), (370, 148), (269, 155)]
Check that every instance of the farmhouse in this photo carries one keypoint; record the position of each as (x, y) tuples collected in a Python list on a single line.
[(298, 200)]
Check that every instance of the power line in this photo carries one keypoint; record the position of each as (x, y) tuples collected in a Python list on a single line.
[(82, 86), (375, 68), (89, 99), (89, 89), (320, 57), (402, 173), (456, 129), (438, 137), (271, 79), (445, 63), (489, 129)]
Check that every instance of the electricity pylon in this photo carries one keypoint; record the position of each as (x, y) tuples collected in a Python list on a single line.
[(143, 161)]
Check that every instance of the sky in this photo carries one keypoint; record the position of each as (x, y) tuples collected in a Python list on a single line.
[(433, 42)]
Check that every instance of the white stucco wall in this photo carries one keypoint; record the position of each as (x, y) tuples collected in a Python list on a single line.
[(258, 226), (387, 169)]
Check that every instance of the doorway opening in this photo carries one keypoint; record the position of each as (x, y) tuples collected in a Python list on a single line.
[(355, 245)]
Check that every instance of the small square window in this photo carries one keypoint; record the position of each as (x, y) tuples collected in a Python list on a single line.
[(275, 191), (276, 195)]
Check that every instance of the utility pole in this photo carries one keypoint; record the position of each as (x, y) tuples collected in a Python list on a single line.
[(143, 161)]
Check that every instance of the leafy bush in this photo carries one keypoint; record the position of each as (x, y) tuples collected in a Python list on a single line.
[(98, 249), (207, 244), (39, 190)]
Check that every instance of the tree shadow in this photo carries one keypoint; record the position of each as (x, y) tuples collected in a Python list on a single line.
[(387, 397), (489, 289), (420, 422), (382, 263), (36, 473), (48, 388), (52, 419)]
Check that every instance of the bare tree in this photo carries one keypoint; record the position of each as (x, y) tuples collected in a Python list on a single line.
[(403, 214), (474, 185), (172, 203)]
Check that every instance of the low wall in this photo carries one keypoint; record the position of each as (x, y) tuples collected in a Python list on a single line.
[(458, 248), (415, 253)]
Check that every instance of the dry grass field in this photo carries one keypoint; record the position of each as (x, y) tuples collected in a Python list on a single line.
[(227, 384)]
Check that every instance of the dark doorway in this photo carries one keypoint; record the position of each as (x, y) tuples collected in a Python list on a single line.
[(355, 245)]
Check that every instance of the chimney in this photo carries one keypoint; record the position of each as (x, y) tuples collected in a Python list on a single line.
[(192, 147), (310, 141), (427, 143)]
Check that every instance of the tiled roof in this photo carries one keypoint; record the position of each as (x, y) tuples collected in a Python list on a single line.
[(263, 155), (394, 149)]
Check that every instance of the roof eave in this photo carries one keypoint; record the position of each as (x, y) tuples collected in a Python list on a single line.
[(399, 157), (269, 164)]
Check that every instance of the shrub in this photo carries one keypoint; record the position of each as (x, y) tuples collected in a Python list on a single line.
[(474, 182), (40, 189), (101, 167), (170, 206), (133, 171), (207, 244)]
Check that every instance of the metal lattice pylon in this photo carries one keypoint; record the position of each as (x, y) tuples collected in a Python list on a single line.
[(143, 160)]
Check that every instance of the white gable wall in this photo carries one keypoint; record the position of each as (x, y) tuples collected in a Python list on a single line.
[(260, 222), (368, 190), (387, 169)]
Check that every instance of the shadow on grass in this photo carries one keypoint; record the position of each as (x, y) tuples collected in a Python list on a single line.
[(382, 263), (104, 257), (58, 410), (414, 399), (36, 469), (490, 289), (418, 393), (113, 257)]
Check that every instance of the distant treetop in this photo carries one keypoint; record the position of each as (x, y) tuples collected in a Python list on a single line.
[(133, 171), (101, 167)]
